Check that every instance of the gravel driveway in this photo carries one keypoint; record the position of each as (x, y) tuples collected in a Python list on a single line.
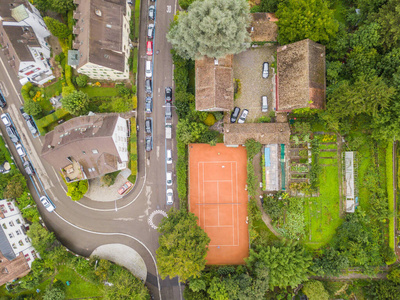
[(247, 67)]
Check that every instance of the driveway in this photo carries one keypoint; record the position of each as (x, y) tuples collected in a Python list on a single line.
[(247, 67)]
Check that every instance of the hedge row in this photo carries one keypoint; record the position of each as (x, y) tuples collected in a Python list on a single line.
[(181, 173), (389, 184), (44, 122), (133, 151)]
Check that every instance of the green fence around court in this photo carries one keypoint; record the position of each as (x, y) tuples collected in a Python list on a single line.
[(283, 167)]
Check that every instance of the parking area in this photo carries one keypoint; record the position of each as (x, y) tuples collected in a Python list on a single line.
[(247, 67)]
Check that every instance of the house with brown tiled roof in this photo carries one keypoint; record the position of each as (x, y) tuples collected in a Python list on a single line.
[(214, 84), (88, 146), (301, 76), (16, 251), (264, 133), (102, 39), (263, 27)]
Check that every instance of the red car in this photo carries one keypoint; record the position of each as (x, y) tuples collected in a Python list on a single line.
[(149, 48), (127, 185)]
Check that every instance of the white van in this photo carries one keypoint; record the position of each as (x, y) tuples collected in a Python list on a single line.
[(149, 68), (264, 104), (169, 156)]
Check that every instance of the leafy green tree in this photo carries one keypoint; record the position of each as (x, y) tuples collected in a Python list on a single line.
[(82, 80), (62, 6), (367, 36), (42, 239), (394, 275), (76, 103), (365, 96), (288, 263), (388, 18), (212, 28), (190, 132), (217, 290), (42, 5), (382, 290), (54, 294), (315, 290), (269, 5), (183, 102), (305, 19), (184, 4), (122, 104), (390, 63), (183, 246), (331, 263), (362, 62), (33, 108), (57, 28), (197, 284), (126, 286), (188, 294), (15, 187)]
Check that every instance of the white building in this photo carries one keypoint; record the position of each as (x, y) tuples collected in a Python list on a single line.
[(102, 39), (23, 36), (13, 238)]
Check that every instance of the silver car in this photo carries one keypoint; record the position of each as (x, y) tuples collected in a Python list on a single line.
[(243, 116), (170, 197), (150, 31), (47, 204)]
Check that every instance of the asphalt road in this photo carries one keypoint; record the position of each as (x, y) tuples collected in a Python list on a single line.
[(83, 226)]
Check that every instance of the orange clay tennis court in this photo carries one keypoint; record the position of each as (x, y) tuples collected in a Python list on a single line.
[(217, 196)]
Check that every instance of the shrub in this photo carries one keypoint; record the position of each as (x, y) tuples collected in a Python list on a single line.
[(133, 151), (26, 88), (210, 120), (264, 119), (76, 103), (49, 119), (123, 90), (218, 115), (122, 104), (77, 189), (252, 147), (81, 80), (134, 101), (109, 179)]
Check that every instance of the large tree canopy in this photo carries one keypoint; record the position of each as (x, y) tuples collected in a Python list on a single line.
[(302, 19), (76, 103), (288, 264), (212, 28), (57, 28), (183, 246)]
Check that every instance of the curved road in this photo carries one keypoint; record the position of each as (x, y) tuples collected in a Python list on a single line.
[(85, 225)]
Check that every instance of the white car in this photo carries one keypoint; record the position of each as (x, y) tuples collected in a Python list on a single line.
[(169, 156), (243, 117), (169, 178), (47, 203), (170, 197), (6, 120), (20, 150)]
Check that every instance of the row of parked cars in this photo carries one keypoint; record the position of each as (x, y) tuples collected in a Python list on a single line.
[(14, 137)]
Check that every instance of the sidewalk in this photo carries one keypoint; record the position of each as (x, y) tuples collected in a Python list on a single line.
[(258, 171)]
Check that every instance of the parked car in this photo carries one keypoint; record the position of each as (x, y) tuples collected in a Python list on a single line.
[(265, 71), (170, 197), (20, 150), (168, 111), (12, 134), (149, 48), (127, 185), (149, 143), (24, 114), (148, 86), (168, 94), (235, 114), (47, 204), (3, 101), (28, 168), (243, 116), (152, 12), (31, 126), (149, 68), (6, 119), (169, 156), (169, 178), (147, 125), (150, 31), (264, 104), (148, 105)]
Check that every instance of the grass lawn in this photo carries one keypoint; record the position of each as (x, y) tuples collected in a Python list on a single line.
[(135, 58), (263, 231), (52, 90), (364, 161), (322, 213), (137, 18), (78, 288), (100, 91)]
